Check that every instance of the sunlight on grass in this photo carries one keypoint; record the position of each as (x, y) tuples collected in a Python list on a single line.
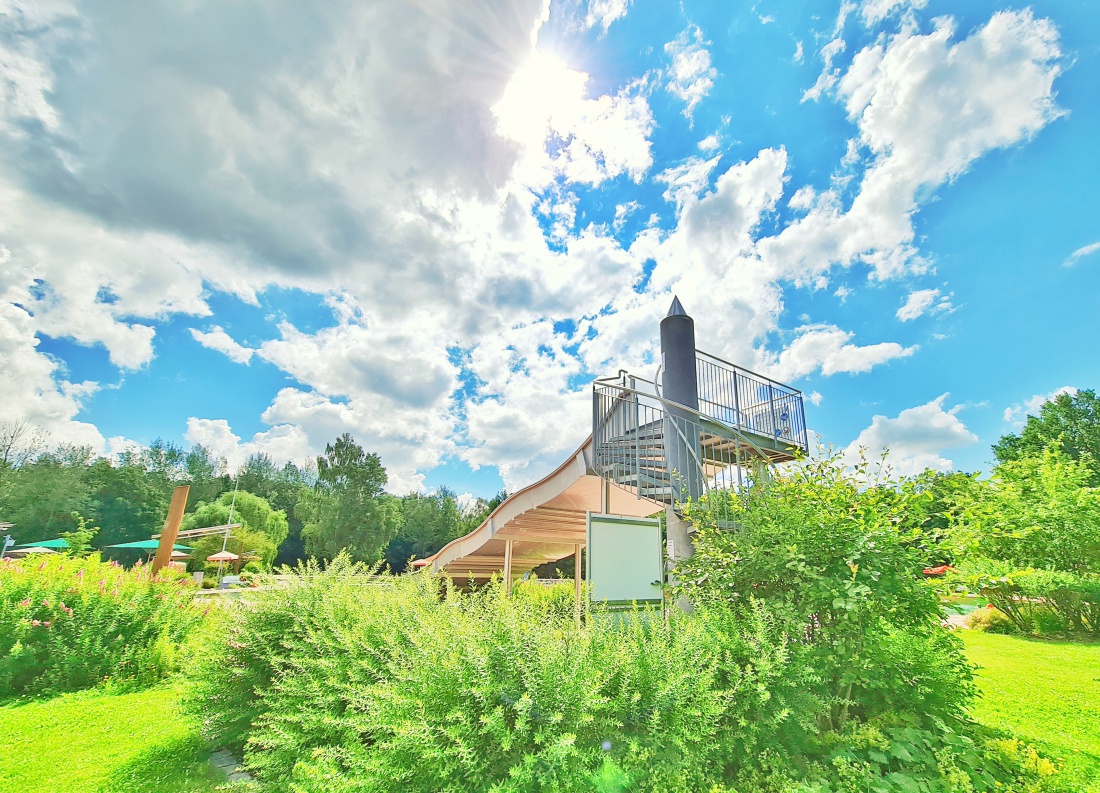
[(93, 741), (1047, 693)]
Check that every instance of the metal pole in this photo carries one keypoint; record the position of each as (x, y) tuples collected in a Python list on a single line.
[(507, 567), (577, 582)]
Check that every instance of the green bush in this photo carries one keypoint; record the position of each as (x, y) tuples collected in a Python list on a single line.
[(344, 681), (68, 624), (990, 620), (826, 556), (1045, 602)]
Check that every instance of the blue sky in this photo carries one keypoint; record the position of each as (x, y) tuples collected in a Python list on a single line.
[(258, 225)]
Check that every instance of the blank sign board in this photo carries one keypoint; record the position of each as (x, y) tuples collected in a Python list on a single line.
[(625, 560)]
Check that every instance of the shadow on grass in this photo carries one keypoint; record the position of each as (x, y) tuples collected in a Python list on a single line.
[(178, 766)]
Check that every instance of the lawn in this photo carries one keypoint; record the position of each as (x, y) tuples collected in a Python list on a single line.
[(1047, 693), (91, 741)]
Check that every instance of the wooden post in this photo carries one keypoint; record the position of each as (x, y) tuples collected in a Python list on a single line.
[(577, 581), (507, 567), (171, 527)]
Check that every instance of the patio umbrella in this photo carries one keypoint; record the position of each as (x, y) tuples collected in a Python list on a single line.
[(19, 553), (148, 545), (222, 556), (54, 543)]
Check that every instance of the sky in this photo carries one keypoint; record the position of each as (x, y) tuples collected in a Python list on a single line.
[(258, 225)]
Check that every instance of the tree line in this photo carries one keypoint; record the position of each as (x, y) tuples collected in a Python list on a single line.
[(335, 502), (1047, 475)]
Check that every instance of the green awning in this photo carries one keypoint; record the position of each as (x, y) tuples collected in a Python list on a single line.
[(55, 543), (148, 545)]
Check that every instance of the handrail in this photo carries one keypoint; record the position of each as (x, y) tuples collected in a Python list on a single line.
[(705, 418)]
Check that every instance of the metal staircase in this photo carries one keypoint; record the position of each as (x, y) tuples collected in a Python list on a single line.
[(670, 453)]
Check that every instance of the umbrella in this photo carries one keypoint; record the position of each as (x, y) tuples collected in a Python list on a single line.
[(55, 543), (149, 545), (18, 553), (222, 556)]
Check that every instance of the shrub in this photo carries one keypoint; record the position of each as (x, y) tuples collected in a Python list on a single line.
[(67, 623), (344, 681), (990, 620), (1045, 602), (825, 556)]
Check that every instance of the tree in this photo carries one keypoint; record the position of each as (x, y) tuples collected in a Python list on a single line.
[(262, 528), (428, 523), (44, 494), (1071, 419), (344, 510), (205, 473), (1037, 511), (126, 502)]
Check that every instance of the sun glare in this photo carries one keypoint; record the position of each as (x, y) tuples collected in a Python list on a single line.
[(543, 94)]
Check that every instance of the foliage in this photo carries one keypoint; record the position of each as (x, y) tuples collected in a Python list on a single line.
[(80, 538), (838, 565), (344, 510), (990, 620), (1037, 511), (1072, 421), (428, 522), (262, 528), (106, 742), (1046, 694), (68, 623), (1043, 602)]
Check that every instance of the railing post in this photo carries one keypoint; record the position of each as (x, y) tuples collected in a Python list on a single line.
[(775, 419)]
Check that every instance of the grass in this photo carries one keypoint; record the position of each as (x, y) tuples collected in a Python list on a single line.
[(106, 743), (1046, 693)]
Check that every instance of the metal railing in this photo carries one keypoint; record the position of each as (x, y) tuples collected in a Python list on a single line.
[(750, 402)]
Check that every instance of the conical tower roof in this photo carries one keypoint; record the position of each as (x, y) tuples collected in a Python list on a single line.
[(676, 310)]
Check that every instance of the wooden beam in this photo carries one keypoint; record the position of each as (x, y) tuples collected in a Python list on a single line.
[(171, 527)]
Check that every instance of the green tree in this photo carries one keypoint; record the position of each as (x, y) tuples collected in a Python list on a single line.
[(344, 509), (262, 528), (1037, 511), (205, 473), (44, 494), (1071, 419), (127, 503), (80, 538), (428, 523)]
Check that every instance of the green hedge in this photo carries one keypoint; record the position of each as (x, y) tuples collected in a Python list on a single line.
[(68, 624), (1046, 602)]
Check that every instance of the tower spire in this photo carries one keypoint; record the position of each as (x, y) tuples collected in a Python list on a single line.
[(676, 309)]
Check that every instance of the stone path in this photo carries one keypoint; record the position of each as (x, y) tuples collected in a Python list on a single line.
[(225, 760)]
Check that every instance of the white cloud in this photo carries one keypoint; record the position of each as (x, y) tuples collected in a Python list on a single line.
[(926, 108), (691, 76), (1081, 253), (874, 11), (709, 143), (687, 180), (916, 438), (217, 339), (285, 443), (605, 137), (921, 301), (605, 12), (1017, 414), (799, 53), (828, 348)]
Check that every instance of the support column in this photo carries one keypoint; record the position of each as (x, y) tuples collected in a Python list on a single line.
[(680, 548), (507, 567), (171, 528), (681, 386), (577, 582)]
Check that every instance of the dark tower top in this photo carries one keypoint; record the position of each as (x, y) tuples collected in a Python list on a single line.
[(678, 357)]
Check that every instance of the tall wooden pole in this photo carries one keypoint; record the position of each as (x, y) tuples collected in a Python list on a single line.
[(507, 567), (171, 527)]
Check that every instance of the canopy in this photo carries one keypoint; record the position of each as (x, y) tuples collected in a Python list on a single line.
[(149, 545), (222, 556), (16, 553), (59, 542)]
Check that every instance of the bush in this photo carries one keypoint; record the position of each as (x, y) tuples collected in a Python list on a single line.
[(344, 681), (68, 624), (990, 620), (1045, 602), (347, 681), (825, 556)]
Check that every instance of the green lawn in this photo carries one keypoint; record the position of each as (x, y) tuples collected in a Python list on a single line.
[(1047, 693), (93, 742)]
